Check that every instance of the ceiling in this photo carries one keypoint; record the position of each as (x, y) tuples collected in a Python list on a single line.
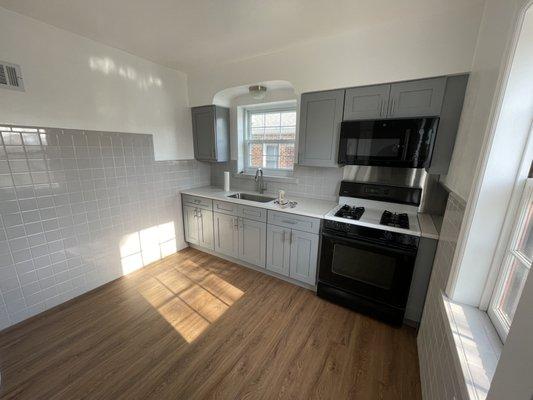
[(185, 34)]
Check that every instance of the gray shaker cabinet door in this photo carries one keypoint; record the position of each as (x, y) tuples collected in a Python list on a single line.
[(304, 254), (226, 229), (278, 249), (203, 125), (320, 121), (422, 98), (205, 224), (252, 241), (190, 223), (367, 102)]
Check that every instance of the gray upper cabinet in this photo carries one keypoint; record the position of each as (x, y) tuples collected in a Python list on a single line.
[(450, 116), (416, 98), (210, 126), (320, 121), (367, 102)]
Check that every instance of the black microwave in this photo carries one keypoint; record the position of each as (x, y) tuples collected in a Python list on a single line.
[(405, 143)]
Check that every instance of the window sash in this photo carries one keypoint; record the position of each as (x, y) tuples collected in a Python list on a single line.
[(514, 259), (248, 142)]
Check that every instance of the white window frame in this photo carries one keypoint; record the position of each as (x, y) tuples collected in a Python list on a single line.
[(246, 141), (498, 318)]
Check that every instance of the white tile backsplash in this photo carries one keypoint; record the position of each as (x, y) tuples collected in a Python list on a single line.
[(313, 182), (67, 200)]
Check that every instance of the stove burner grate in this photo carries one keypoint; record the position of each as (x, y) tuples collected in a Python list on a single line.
[(393, 219), (350, 212)]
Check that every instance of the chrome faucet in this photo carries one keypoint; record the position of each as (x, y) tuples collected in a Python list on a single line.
[(260, 183)]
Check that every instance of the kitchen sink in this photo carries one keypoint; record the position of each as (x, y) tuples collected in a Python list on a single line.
[(252, 197)]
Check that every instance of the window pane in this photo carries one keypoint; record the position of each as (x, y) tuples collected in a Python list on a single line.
[(257, 119), (286, 156), (525, 241), (272, 119), (256, 156), (288, 118), (512, 289), (272, 133), (256, 133), (266, 130)]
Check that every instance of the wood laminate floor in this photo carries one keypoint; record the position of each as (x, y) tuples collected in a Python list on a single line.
[(194, 326)]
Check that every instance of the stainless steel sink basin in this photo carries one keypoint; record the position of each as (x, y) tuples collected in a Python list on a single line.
[(252, 197)]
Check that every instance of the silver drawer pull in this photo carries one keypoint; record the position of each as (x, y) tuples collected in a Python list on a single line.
[(288, 221)]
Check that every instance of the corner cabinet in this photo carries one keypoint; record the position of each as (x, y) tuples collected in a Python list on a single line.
[(210, 127), (320, 123)]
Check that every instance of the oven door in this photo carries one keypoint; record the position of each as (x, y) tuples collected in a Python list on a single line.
[(404, 143), (372, 270)]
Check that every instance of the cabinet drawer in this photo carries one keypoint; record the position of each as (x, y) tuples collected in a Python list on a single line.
[(254, 213), (199, 202), (224, 207), (298, 222)]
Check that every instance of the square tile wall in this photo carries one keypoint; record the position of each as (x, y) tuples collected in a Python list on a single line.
[(81, 208), (315, 182), (438, 372)]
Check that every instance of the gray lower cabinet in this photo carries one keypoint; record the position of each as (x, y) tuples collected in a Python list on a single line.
[(226, 234), (198, 224), (304, 253), (240, 238), (252, 241), (190, 223), (278, 249), (320, 122), (416, 98), (292, 253), (367, 102)]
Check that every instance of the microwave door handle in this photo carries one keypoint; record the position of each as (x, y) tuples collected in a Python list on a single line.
[(370, 244)]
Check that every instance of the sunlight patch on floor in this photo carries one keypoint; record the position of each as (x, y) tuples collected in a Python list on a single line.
[(191, 302)]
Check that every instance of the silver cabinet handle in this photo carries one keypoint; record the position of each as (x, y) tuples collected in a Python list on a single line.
[(381, 107), (288, 221), (290, 238), (235, 224), (392, 106)]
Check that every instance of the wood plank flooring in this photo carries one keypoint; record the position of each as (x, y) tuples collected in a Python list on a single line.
[(194, 326)]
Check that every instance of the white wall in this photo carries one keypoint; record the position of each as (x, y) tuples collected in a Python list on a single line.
[(398, 50), (507, 132), (494, 35), (73, 82)]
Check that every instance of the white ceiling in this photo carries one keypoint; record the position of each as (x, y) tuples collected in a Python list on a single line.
[(184, 34)]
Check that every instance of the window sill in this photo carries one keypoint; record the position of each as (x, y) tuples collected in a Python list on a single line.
[(268, 178), (478, 346)]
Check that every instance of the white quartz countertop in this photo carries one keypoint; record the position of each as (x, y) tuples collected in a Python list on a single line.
[(306, 206), (427, 227)]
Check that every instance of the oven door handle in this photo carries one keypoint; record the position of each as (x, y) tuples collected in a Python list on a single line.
[(370, 244)]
